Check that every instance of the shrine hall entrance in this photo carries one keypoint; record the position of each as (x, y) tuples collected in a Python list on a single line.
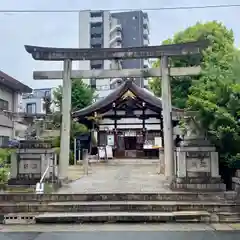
[(130, 146), (130, 143)]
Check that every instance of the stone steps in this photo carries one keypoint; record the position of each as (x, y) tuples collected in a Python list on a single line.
[(164, 196), (116, 206), (233, 217), (108, 217)]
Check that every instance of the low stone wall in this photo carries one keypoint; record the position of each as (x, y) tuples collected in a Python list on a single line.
[(236, 182)]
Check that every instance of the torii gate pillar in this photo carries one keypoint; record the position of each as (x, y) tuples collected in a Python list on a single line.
[(167, 119), (66, 121)]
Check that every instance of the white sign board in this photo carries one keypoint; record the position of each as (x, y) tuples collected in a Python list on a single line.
[(110, 140), (109, 152), (101, 152)]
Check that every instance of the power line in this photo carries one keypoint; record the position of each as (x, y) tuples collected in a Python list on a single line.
[(123, 9)]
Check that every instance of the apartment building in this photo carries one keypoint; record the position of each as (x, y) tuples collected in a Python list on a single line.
[(102, 29), (94, 30), (34, 102), (131, 29), (10, 96)]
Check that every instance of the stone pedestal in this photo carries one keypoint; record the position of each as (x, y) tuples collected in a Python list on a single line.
[(29, 162), (197, 166), (236, 182)]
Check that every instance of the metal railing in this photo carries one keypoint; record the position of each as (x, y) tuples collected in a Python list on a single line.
[(40, 184)]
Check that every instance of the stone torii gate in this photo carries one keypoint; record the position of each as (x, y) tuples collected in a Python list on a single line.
[(67, 55)]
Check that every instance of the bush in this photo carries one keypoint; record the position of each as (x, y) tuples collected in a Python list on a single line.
[(3, 175), (5, 155)]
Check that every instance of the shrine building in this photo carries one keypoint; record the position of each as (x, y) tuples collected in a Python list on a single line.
[(130, 120)]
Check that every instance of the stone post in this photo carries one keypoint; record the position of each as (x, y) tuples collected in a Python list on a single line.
[(66, 120), (167, 119), (162, 162)]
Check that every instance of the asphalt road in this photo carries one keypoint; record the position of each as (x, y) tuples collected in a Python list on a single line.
[(128, 235)]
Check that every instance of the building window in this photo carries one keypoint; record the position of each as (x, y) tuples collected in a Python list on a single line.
[(31, 108), (96, 46), (4, 105), (96, 24), (4, 140), (134, 18), (96, 35), (47, 93), (97, 66), (96, 14)]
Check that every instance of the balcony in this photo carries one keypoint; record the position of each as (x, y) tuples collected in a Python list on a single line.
[(146, 24), (116, 45), (96, 41), (96, 64), (96, 19), (115, 82), (145, 31), (146, 83), (145, 37), (96, 31), (146, 63), (145, 42), (145, 21), (117, 37), (115, 25)]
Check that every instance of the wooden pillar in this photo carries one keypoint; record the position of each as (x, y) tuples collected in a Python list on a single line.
[(161, 126), (66, 120), (144, 122), (144, 127), (115, 129), (98, 136), (167, 119)]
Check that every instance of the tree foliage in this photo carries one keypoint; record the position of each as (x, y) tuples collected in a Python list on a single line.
[(4, 164), (218, 52), (215, 94), (82, 95)]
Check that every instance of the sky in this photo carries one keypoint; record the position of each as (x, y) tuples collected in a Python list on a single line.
[(61, 29)]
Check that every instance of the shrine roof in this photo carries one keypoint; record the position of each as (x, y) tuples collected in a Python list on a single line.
[(128, 85)]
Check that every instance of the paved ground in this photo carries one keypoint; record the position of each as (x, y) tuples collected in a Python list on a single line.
[(172, 233), (148, 227), (120, 176)]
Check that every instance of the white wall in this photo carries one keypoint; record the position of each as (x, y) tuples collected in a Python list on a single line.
[(5, 131), (7, 95), (38, 101), (6, 125)]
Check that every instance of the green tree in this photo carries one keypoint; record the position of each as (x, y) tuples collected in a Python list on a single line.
[(217, 54), (216, 100), (4, 165), (215, 94), (82, 95)]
